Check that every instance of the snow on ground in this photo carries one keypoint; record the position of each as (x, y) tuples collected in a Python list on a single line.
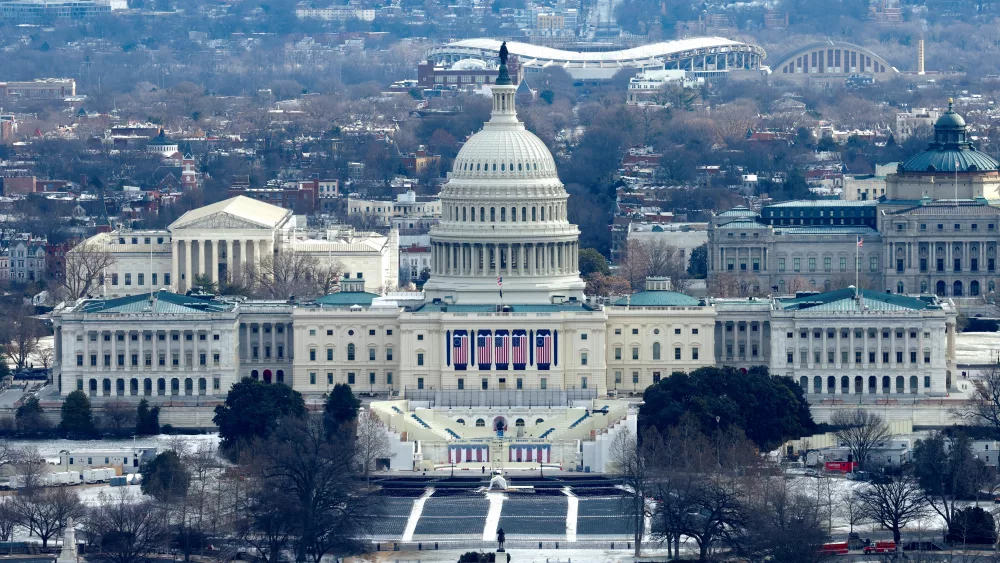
[(518, 555), (51, 448), (976, 347)]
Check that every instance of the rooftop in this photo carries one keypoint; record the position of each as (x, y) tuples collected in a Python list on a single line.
[(663, 48), (347, 299), (161, 302), (843, 300)]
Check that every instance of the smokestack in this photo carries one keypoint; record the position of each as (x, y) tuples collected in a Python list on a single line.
[(920, 57)]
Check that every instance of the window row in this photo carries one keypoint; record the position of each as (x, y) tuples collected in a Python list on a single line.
[(634, 331), (831, 333), (352, 378), (351, 353), (140, 279), (656, 352), (108, 387), (147, 336), (872, 357), (147, 360), (537, 213), (859, 384)]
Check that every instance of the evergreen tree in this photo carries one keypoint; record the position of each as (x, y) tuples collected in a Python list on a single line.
[(77, 417), (252, 411), (29, 418), (165, 478), (147, 420), (341, 408)]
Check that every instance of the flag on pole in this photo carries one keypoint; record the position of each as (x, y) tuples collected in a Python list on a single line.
[(500, 283), (861, 241)]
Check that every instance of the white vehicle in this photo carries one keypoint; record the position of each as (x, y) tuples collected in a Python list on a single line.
[(61, 478), (102, 475)]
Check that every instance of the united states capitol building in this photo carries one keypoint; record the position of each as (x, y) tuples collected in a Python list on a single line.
[(502, 337)]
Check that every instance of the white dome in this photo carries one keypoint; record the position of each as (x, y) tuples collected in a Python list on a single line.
[(504, 152)]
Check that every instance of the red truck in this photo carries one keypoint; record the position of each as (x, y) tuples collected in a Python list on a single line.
[(839, 548), (881, 547), (841, 466)]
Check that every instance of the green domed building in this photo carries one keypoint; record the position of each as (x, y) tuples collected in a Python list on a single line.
[(950, 168)]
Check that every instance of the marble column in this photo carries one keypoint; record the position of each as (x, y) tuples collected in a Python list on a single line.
[(228, 251), (175, 256), (186, 282), (213, 262)]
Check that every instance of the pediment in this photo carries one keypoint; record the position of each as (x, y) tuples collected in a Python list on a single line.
[(222, 220)]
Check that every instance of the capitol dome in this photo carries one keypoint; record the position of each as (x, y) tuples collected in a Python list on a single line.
[(504, 218)]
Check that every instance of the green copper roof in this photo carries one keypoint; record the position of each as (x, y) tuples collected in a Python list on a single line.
[(514, 308), (162, 302), (658, 298), (347, 299), (951, 150), (843, 300)]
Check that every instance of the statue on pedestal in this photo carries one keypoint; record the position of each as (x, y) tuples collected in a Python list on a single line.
[(500, 539), (68, 553)]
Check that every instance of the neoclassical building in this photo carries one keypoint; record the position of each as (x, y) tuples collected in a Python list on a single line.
[(225, 241)]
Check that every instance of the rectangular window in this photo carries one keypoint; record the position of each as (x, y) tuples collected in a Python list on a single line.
[(484, 384), (215, 358), (114, 279), (312, 354), (329, 378), (420, 358), (973, 264), (791, 358), (843, 263), (371, 354), (796, 264), (371, 378), (461, 383), (694, 353), (618, 377), (329, 332), (913, 357), (923, 264), (312, 378), (885, 357), (829, 357), (871, 357), (827, 264), (635, 377), (618, 331), (803, 357), (899, 357), (202, 359), (812, 264), (635, 353), (756, 264), (329, 354), (141, 279), (154, 279), (958, 264), (128, 279), (927, 383), (388, 354), (857, 357), (656, 377), (781, 264), (388, 332), (166, 279), (618, 353), (583, 336), (543, 383), (371, 332), (79, 359), (927, 357), (350, 379), (677, 353), (873, 263), (583, 358)]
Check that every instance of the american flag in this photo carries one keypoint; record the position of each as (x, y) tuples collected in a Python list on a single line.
[(460, 350), (861, 241), (502, 354), (519, 347), (543, 349), (485, 358)]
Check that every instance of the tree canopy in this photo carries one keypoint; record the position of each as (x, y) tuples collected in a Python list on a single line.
[(770, 410), (252, 411), (591, 260), (341, 408), (77, 417), (147, 420), (165, 478)]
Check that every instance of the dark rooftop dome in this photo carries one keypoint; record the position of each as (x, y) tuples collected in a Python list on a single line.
[(951, 150)]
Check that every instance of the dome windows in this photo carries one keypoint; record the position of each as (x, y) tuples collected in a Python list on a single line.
[(502, 167), (518, 166)]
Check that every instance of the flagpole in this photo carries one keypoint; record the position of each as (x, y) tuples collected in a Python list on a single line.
[(857, 268)]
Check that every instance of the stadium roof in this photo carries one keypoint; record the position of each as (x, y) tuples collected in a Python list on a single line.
[(653, 50)]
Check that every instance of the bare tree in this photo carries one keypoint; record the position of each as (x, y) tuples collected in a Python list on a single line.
[(852, 510), (372, 443), (289, 273), (45, 355), (861, 431), (29, 468), (44, 512), (9, 518), (20, 334), (984, 409), (892, 502), (118, 417), (654, 258), (85, 265), (630, 467), (128, 529)]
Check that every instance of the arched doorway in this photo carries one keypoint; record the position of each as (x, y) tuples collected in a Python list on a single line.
[(939, 288), (120, 387), (267, 376), (280, 375), (255, 375), (93, 387), (974, 288), (858, 384), (885, 384), (957, 289), (107, 387), (831, 385), (872, 385)]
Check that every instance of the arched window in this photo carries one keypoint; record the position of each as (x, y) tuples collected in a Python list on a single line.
[(493, 215), (464, 217), (539, 421), (161, 386), (804, 384), (885, 384), (147, 386), (175, 386), (845, 385), (460, 421), (255, 375), (482, 214), (524, 214), (872, 384), (93, 386), (859, 384), (939, 288), (899, 288), (831, 384), (899, 383), (519, 422), (350, 352), (913, 384), (120, 386), (974, 288), (817, 384), (503, 214), (656, 350), (957, 289), (133, 386), (107, 386), (188, 386), (202, 386), (480, 423)]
